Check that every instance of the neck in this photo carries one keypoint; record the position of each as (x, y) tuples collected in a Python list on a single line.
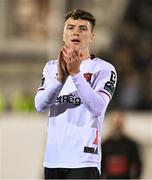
[(85, 54)]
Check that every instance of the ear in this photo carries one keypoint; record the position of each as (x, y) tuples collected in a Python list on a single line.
[(91, 37)]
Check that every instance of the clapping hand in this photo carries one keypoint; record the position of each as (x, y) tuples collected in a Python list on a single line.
[(72, 58)]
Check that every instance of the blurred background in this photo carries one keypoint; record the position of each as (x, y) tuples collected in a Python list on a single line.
[(31, 34)]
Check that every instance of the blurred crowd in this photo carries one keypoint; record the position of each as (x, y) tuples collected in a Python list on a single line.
[(132, 56), (30, 19)]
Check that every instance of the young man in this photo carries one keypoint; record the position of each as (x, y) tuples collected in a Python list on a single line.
[(76, 89)]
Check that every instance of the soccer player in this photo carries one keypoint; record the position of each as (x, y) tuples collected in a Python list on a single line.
[(76, 89)]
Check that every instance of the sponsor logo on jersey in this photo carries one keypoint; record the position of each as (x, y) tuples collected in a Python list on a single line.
[(110, 85), (70, 98)]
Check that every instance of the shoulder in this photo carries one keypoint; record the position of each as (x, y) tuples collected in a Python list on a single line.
[(51, 62), (101, 64), (50, 66)]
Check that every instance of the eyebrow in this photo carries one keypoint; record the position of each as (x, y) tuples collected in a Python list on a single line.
[(79, 25)]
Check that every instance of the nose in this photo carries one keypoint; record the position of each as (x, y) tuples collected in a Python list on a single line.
[(76, 31)]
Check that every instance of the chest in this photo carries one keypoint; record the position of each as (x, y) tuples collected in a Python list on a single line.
[(86, 69)]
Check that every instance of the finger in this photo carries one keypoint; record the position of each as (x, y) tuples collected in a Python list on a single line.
[(65, 57), (69, 48), (68, 51), (69, 45), (77, 55), (60, 56), (60, 53), (77, 48), (73, 56), (65, 50), (65, 54)]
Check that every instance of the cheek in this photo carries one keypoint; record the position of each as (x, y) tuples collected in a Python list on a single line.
[(88, 39), (65, 37)]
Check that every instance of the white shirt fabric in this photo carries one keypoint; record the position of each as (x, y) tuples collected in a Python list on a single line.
[(77, 109)]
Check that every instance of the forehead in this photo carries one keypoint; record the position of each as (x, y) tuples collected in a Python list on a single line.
[(77, 22)]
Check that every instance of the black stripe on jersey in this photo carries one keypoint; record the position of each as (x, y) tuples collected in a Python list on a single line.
[(42, 81), (40, 89), (105, 93)]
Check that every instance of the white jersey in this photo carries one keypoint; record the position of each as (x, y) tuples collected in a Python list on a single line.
[(77, 110)]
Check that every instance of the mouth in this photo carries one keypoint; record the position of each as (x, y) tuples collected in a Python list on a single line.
[(75, 41)]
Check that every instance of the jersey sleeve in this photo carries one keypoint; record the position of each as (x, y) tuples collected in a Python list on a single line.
[(95, 95), (45, 79), (48, 90), (105, 81)]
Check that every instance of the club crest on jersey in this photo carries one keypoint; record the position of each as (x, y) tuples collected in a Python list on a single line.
[(88, 76)]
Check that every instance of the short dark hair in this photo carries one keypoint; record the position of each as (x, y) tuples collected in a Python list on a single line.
[(81, 14)]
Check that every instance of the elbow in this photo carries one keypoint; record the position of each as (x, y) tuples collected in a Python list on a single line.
[(95, 111), (41, 105), (98, 113), (98, 110), (38, 106), (38, 109)]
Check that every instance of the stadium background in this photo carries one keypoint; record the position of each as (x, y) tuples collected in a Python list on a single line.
[(31, 33)]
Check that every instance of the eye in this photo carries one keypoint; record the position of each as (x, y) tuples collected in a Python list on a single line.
[(83, 28), (70, 27)]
